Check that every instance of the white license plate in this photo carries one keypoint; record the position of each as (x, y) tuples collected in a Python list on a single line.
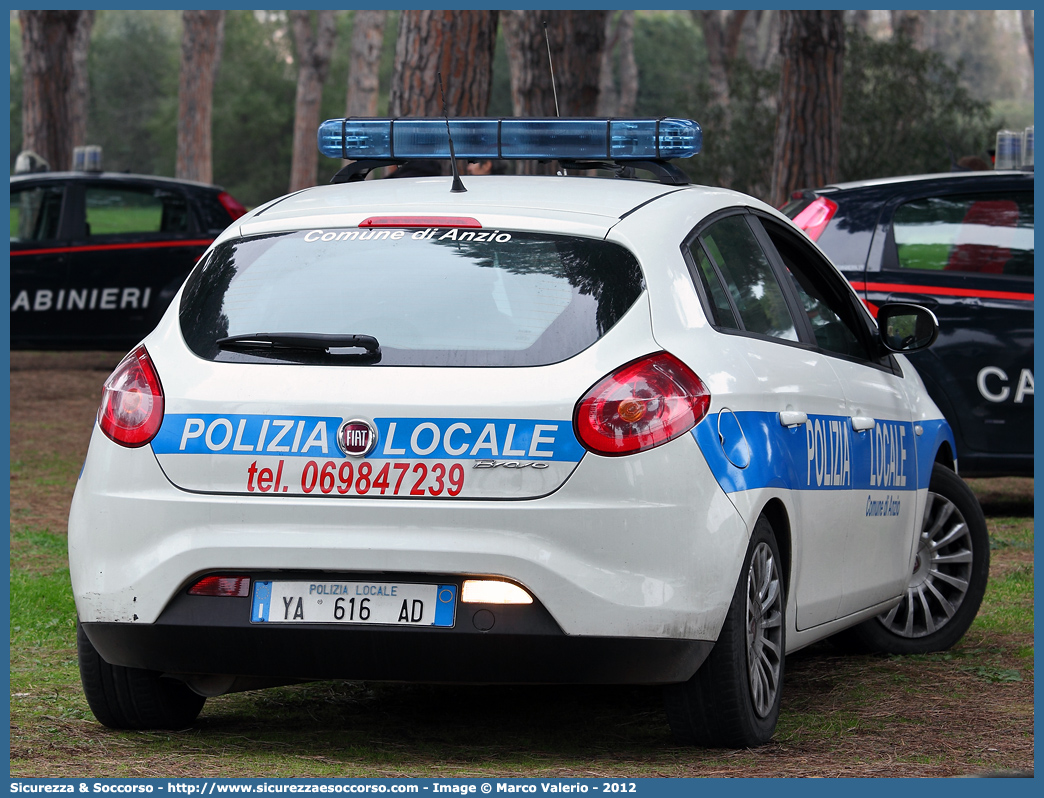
[(386, 603)]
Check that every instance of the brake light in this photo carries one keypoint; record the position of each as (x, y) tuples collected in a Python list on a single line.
[(815, 217), (231, 204), (420, 221), (641, 405), (132, 401), (221, 586)]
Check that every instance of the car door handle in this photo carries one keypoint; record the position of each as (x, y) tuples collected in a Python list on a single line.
[(792, 418), (862, 423)]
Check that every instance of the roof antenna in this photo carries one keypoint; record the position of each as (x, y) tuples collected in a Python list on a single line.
[(550, 63), (458, 186)]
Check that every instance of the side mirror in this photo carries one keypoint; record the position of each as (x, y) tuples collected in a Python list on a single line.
[(906, 328)]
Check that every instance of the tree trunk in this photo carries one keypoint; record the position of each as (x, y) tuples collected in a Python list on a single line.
[(364, 63), (721, 34), (79, 89), (808, 126), (619, 50), (314, 33), (577, 39), (457, 44), (54, 95), (628, 66), (1027, 31), (201, 43)]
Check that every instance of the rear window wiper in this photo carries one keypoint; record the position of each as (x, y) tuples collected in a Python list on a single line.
[(306, 342)]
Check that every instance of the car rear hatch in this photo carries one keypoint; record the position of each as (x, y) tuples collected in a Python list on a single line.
[(397, 359)]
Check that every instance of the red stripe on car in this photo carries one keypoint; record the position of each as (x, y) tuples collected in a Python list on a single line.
[(939, 290), (202, 242)]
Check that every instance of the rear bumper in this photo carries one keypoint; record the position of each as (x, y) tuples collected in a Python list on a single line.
[(204, 635), (641, 547)]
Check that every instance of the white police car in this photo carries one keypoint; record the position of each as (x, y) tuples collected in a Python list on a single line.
[(544, 429)]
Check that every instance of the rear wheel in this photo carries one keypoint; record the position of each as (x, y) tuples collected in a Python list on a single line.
[(132, 698), (733, 699), (949, 576)]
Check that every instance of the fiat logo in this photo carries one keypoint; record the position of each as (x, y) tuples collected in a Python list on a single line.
[(356, 437)]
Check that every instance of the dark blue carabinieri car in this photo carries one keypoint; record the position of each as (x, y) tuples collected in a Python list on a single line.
[(960, 244), (96, 257)]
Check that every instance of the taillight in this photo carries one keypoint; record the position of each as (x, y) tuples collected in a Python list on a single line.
[(231, 204), (132, 401), (641, 405), (221, 586), (815, 217)]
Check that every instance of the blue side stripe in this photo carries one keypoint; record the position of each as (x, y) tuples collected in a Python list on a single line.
[(823, 454)]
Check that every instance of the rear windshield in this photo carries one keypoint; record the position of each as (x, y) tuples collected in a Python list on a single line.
[(431, 297)]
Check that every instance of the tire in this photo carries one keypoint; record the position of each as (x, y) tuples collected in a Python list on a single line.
[(131, 698), (949, 578), (732, 701)]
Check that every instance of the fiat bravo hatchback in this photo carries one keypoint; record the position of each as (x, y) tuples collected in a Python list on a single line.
[(545, 429)]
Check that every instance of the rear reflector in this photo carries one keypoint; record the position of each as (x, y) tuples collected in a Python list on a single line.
[(493, 591), (132, 401), (641, 405), (221, 586), (816, 216), (420, 221)]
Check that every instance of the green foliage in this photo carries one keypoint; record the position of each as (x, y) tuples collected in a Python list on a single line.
[(902, 107), (883, 81), (254, 107), (741, 156), (905, 111), (737, 154), (133, 70), (672, 64), (672, 79)]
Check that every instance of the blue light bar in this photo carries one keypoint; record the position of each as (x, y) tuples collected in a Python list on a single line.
[(525, 139)]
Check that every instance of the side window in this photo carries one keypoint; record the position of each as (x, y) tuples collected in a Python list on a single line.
[(115, 210), (835, 321), (735, 254), (984, 233), (35, 212), (722, 308)]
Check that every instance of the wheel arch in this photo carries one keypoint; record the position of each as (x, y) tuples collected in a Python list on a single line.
[(776, 513), (944, 456)]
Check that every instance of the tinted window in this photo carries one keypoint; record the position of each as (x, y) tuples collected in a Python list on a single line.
[(35, 213), (720, 306), (213, 214), (436, 297), (834, 320), (752, 285), (115, 210), (986, 234), (847, 236)]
